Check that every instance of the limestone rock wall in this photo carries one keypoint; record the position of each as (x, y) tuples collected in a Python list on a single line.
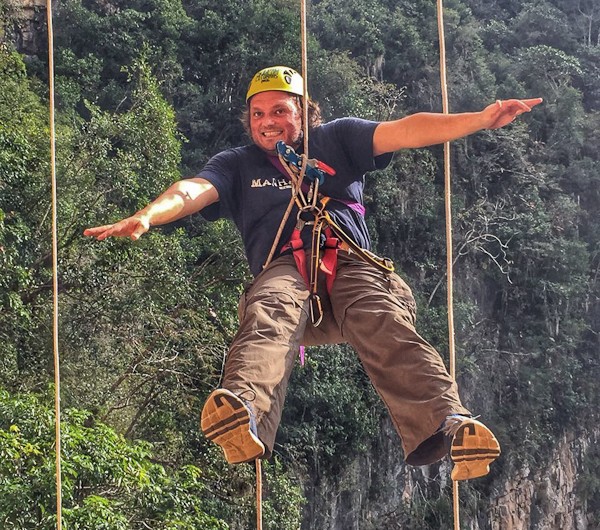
[(25, 25), (547, 498), (376, 490)]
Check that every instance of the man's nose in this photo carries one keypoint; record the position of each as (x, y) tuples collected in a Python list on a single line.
[(272, 117)]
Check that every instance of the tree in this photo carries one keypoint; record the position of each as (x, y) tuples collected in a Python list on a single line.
[(107, 482)]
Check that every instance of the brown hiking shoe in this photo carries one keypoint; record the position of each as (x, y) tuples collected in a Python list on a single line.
[(230, 423), (473, 447)]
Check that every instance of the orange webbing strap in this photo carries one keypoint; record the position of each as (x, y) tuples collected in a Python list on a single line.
[(316, 309)]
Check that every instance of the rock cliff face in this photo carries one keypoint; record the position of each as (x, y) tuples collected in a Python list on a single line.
[(25, 25), (377, 491), (547, 498)]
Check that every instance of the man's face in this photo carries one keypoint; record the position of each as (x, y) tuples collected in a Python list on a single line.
[(274, 116)]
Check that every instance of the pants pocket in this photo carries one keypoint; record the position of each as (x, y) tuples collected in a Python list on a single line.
[(402, 292)]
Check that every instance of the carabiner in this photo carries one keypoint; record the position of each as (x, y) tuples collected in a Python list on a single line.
[(315, 317)]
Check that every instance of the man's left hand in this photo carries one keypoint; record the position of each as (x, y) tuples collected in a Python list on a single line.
[(505, 111)]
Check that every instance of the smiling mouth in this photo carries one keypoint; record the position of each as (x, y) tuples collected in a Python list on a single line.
[(271, 134)]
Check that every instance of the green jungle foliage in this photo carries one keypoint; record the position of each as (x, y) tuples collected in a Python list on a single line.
[(107, 481), (147, 91)]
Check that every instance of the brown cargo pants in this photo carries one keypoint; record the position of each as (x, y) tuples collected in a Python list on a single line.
[(372, 311)]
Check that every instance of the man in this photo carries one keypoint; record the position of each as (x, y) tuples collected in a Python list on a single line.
[(366, 305)]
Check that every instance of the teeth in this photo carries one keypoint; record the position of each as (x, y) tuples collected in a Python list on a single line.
[(271, 134)]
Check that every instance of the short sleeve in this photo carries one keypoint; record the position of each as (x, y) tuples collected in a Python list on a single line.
[(222, 171), (356, 135)]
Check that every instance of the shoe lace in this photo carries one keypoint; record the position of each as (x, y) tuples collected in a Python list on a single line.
[(243, 395), (452, 423)]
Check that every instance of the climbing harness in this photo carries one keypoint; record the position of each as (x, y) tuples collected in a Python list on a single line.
[(328, 237)]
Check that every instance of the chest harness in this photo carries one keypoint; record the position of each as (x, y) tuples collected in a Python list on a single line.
[(327, 236)]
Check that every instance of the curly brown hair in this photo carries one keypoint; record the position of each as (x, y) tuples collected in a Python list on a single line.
[(314, 114)]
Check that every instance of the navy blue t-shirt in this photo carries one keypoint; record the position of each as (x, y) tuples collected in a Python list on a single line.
[(255, 194)]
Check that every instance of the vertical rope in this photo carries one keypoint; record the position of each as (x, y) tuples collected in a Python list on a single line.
[(304, 47), (448, 193), (449, 256), (54, 267), (296, 183), (258, 494)]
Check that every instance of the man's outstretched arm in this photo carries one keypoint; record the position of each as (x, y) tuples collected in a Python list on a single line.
[(181, 199), (424, 128)]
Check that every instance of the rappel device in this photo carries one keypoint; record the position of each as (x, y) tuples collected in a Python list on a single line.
[(315, 169)]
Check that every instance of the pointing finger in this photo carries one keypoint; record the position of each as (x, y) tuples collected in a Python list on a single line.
[(96, 230)]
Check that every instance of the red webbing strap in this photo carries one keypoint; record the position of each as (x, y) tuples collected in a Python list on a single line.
[(316, 308), (329, 260), (297, 246), (328, 263)]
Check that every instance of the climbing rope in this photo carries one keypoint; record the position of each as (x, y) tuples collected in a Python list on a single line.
[(258, 494), (449, 257), (304, 48), (54, 268), (296, 187), (296, 179)]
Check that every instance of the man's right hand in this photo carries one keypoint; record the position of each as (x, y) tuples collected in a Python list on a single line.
[(132, 227), (183, 198)]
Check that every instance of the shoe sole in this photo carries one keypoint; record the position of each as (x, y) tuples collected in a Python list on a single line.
[(225, 420), (474, 447)]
